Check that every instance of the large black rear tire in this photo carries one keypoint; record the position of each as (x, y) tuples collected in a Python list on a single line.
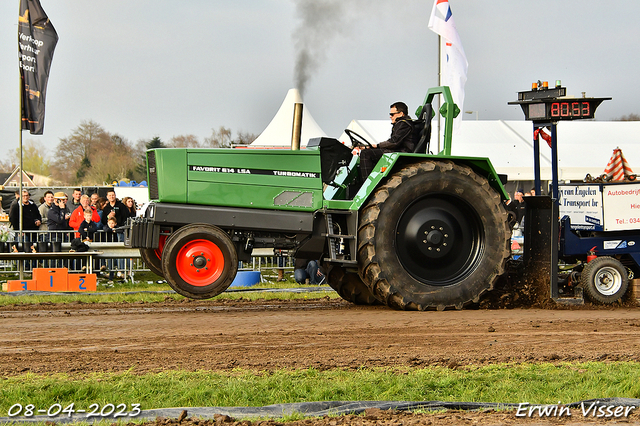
[(350, 287), (199, 261), (435, 235)]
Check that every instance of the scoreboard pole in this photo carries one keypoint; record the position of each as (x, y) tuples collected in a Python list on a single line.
[(554, 162), (536, 160), (554, 159)]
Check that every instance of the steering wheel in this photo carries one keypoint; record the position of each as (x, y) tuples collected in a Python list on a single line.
[(356, 139)]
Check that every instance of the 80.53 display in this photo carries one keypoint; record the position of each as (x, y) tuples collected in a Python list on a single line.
[(563, 109)]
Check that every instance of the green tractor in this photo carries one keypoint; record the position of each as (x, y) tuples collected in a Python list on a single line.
[(421, 232)]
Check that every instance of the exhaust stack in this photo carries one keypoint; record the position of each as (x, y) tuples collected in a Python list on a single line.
[(297, 126)]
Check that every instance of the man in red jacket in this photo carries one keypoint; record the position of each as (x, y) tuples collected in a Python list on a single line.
[(77, 216)]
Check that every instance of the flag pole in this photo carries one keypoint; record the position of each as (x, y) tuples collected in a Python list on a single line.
[(20, 234), (20, 145), (20, 149)]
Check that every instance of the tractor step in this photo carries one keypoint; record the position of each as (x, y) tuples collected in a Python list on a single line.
[(334, 241)]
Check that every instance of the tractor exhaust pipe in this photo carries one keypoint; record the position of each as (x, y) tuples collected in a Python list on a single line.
[(297, 127)]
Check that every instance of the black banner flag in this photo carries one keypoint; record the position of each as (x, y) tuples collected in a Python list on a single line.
[(37, 40)]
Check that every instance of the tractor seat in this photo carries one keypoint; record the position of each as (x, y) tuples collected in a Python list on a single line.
[(422, 130)]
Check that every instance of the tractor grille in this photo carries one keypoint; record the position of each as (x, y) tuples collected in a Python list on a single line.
[(294, 199), (153, 175)]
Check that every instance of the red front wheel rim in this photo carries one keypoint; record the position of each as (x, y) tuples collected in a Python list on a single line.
[(200, 262)]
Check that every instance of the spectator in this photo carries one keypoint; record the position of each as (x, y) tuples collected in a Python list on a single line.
[(281, 261), (14, 201), (75, 199), (130, 204), (517, 205), (94, 199), (111, 235), (110, 231), (99, 207), (31, 218), (77, 216), (58, 222), (44, 210), (58, 216), (114, 208), (312, 273), (87, 227)]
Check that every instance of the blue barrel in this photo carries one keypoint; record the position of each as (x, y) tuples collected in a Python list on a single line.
[(246, 279)]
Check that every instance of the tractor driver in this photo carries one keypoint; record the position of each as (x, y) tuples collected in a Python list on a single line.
[(401, 139)]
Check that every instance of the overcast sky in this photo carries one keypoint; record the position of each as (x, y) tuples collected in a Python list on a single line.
[(147, 68)]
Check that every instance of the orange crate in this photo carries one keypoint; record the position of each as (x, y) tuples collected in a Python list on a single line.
[(17, 285), (82, 282), (50, 279)]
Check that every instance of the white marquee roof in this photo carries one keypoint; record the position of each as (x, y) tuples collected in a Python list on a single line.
[(280, 129)]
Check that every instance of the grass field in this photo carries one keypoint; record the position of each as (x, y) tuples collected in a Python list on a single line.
[(506, 383), (151, 288), (534, 383)]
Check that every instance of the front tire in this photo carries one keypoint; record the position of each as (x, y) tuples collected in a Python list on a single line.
[(604, 280), (435, 235), (199, 261)]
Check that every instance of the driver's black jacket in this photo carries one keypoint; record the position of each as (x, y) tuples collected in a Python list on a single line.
[(401, 139)]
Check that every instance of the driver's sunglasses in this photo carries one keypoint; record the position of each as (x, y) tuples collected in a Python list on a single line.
[(391, 114)]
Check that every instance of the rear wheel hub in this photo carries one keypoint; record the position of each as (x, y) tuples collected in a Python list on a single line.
[(434, 239), (439, 239)]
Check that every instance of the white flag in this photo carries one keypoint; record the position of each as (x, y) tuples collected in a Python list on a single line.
[(454, 65)]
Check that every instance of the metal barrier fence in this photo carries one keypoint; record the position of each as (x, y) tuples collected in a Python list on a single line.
[(115, 256), (267, 263)]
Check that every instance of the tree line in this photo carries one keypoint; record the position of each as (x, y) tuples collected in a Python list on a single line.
[(90, 155)]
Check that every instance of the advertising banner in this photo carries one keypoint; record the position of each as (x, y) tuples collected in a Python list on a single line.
[(621, 206), (583, 205), (37, 40)]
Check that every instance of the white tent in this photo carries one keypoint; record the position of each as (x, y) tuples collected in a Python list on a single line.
[(278, 132), (371, 130), (584, 147)]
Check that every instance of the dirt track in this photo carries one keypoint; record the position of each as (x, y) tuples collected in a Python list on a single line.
[(322, 333)]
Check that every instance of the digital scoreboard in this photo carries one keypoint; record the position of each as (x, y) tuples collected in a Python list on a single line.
[(551, 105), (545, 107)]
